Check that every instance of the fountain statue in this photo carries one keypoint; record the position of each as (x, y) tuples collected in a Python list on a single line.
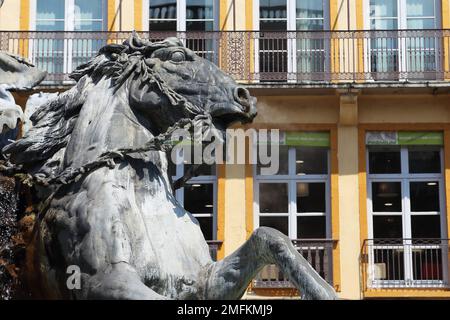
[(97, 156)]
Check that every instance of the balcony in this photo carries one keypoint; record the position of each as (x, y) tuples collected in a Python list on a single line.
[(405, 264), (265, 58), (318, 252)]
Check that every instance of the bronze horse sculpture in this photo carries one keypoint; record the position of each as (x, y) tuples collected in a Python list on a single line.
[(121, 225)]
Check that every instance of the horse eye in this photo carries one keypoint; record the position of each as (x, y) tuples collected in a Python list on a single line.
[(177, 56)]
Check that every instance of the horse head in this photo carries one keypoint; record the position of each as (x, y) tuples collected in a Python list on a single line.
[(167, 82)]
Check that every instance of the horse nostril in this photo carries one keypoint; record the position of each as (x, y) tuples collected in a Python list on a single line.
[(242, 96)]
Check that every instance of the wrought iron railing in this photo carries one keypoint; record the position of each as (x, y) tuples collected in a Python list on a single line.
[(261, 57), (405, 263), (318, 252), (214, 246)]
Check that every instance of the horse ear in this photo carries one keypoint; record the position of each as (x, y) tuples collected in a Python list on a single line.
[(136, 43)]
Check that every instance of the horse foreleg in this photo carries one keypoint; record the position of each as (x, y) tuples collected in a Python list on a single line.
[(229, 278)]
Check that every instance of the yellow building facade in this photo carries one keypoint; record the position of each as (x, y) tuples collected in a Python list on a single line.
[(371, 76)]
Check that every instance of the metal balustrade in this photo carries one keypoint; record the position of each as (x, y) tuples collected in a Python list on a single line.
[(405, 263), (318, 252), (264, 57)]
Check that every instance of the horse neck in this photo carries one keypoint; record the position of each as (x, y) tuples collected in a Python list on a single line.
[(106, 122)]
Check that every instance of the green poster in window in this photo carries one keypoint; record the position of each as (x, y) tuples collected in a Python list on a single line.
[(405, 138), (420, 138), (308, 139)]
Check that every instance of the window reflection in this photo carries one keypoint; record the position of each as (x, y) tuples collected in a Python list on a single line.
[(424, 161), (199, 9), (199, 198), (279, 223), (163, 9), (424, 196), (311, 160), (313, 227), (311, 197), (273, 198), (387, 227), (426, 226), (283, 161), (206, 225), (384, 161), (386, 197)]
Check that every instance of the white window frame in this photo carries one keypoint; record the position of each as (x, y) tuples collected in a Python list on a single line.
[(401, 25), (69, 26), (291, 43), (181, 15), (404, 178), (291, 179), (203, 179)]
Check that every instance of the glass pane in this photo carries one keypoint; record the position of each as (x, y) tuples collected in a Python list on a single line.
[(162, 25), (272, 9), (309, 9), (387, 227), (311, 227), (424, 196), (384, 161), (88, 9), (199, 25), (50, 9), (383, 24), (420, 8), (310, 197), (273, 25), (273, 197), (423, 161), (421, 24), (199, 9), (310, 25), (88, 25), (199, 198), (311, 160), (426, 226), (383, 8), (279, 223), (163, 9), (49, 25), (202, 170), (206, 224), (386, 197), (283, 161)]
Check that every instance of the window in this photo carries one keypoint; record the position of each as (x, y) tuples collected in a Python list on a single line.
[(393, 52), (296, 200), (58, 56), (182, 15), (406, 206), (303, 53), (187, 15), (199, 196)]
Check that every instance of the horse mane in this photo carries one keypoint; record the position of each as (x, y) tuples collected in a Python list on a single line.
[(40, 150)]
